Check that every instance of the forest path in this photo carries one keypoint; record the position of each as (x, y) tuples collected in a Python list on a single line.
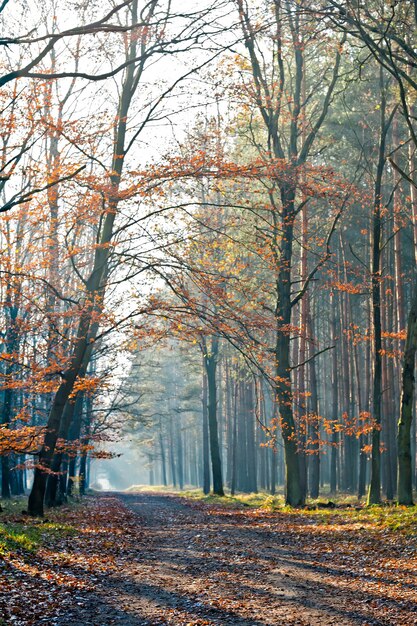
[(198, 566)]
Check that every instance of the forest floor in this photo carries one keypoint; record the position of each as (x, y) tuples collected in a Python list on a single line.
[(152, 558)]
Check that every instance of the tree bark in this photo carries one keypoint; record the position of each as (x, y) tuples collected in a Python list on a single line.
[(405, 471), (374, 495), (294, 495), (206, 441), (335, 400), (314, 465), (210, 361)]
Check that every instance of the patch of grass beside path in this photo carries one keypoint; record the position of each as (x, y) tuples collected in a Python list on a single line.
[(24, 535), (347, 509), (50, 566)]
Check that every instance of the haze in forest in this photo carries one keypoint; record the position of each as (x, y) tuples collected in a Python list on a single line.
[(208, 247)]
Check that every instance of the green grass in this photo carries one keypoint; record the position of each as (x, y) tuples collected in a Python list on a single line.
[(156, 488), (13, 506), (242, 500), (24, 534), (387, 517), (28, 538), (391, 518)]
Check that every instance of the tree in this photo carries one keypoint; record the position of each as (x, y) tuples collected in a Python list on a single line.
[(280, 132), (143, 44), (387, 32), (374, 495)]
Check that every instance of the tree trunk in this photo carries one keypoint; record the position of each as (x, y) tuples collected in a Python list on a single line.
[(11, 347), (72, 407), (374, 495), (180, 456), (171, 453), (163, 460), (206, 441), (74, 435), (250, 441), (405, 471), (314, 465), (234, 442), (82, 473), (294, 495), (210, 361), (335, 400)]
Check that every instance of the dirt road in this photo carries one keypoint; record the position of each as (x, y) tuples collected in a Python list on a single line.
[(196, 566)]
